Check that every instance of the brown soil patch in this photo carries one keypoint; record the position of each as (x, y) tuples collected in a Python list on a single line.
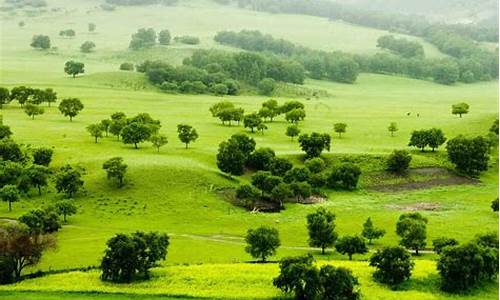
[(444, 178), (420, 206)]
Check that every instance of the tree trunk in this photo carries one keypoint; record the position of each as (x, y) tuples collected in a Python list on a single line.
[(65, 220), (96, 139), (186, 145), (322, 249), (350, 256), (39, 190), (416, 251), (10, 206), (70, 118), (135, 145)]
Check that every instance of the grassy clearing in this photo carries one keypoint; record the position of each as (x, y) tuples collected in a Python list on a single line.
[(239, 281)]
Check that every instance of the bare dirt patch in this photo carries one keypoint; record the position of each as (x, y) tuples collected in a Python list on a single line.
[(436, 177), (420, 206)]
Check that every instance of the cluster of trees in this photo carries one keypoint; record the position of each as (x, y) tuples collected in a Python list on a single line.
[(432, 138), (146, 38), (27, 96), (87, 47), (40, 42), (335, 66), (130, 257), (141, 2), (67, 32), (401, 46), (139, 129)]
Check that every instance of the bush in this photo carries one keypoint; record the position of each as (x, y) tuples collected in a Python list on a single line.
[(398, 161), (393, 265), (186, 39), (469, 155), (266, 86), (169, 86), (315, 165), (261, 159), (439, 243), (345, 176), (494, 205), (127, 66)]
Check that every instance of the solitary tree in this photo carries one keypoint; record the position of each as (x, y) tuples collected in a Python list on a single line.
[(92, 27), (321, 228), (469, 155), (351, 245), (74, 68), (398, 161), (460, 109), (230, 158), (40, 42), (252, 121), (187, 134), (65, 208), (393, 265), (95, 130), (393, 127), (158, 141), (314, 143), (164, 37), (33, 110), (42, 156), (9, 193), (38, 176), (87, 47), (340, 128), (345, 176), (262, 242), (412, 228), (115, 169), (68, 181), (370, 232), (70, 107), (292, 131)]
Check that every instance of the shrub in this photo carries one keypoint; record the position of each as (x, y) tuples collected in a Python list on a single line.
[(127, 66), (398, 161), (393, 265), (469, 155), (439, 243), (315, 165), (345, 176)]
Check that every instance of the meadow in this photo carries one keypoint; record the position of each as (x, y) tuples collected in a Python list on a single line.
[(175, 191)]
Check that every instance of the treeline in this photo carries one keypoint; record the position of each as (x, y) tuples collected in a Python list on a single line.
[(401, 46), (343, 67), (336, 66)]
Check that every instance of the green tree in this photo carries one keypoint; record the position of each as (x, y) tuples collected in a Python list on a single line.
[(345, 176), (393, 127), (252, 121), (105, 125), (40, 42), (351, 245), (435, 138), (143, 38), (338, 283), (65, 208), (494, 204), (412, 228), (262, 242), (115, 169), (219, 89), (398, 161), (261, 127), (135, 133), (38, 176), (91, 27), (340, 128), (314, 143), (440, 243), (9, 193), (295, 115), (261, 158), (70, 107), (292, 131), (33, 110), (266, 86), (300, 276), (158, 141), (315, 165), (4, 96), (187, 134), (321, 228), (95, 130), (164, 37), (42, 156), (68, 181), (86, 47), (370, 232), (5, 132), (74, 68), (41, 221), (446, 73), (393, 265), (460, 109), (469, 155)]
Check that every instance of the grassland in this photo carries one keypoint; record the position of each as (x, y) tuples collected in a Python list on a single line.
[(175, 191)]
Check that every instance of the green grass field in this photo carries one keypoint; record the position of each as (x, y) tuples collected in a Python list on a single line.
[(175, 191)]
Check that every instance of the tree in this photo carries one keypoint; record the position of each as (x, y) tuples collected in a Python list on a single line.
[(351, 245), (412, 228), (321, 228), (269, 110), (92, 27), (460, 109), (95, 130), (252, 121), (494, 127), (314, 144), (21, 94), (393, 127), (300, 276), (338, 283), (280, 193), (435, 138), (440, 243), (469, 155), (42, 156), (68, 32), (398, 161), (4, 96), (33, 110), (164, 37), (9, 193), (315, 165), (266, 86), (135, 133), (5, 132), (419, 139), (340, 128), (292, 131), (11, 151), (219, 89), (158, 141), (187, 134), (370, 232), (74, 68), (295, 115), (261, 127), (105, 125), (65, 208), (248, 194), (233, 154), (262, 242), (265, 181), (116, 127), (38, 176), (143, 38), (393, 265), (40, 42), (128, 257), (70, 107), (126, 66), (494, 205), (279, 166), (345, 176), (261, 158), (87, 47), (115, 168), (464, 267), (41, 221), (20, 249), (446, 72), (68, 181)]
